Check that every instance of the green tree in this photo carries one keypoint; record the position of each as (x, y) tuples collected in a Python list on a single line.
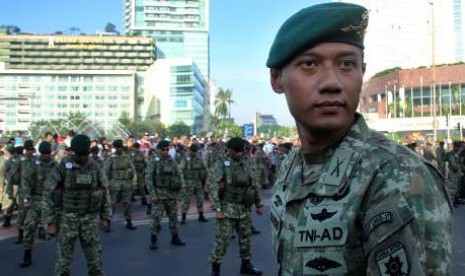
[(11, 29), (179, 129), (223, 103), (126, 121), (111, 28), (228, 128)]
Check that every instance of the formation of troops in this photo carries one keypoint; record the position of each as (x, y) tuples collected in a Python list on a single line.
[(70, 190)]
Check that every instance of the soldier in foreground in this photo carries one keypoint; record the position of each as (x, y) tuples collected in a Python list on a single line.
[(163, 182), (75, 193), (32, 185), (194, 174), (122, 177), (236, 190), (349, 200)]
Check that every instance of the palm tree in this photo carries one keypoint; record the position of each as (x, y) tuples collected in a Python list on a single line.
[(223, 103)]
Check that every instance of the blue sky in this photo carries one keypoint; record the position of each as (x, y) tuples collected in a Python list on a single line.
[(241, 33)]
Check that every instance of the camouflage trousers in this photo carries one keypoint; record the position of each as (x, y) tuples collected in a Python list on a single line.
[(193, 187), (32, 220), (223, 231), (141, 184), (123, 190), (12, 203), (171, 208), (85, 228), (262, 173)]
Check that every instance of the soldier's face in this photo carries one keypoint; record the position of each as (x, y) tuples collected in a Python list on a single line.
[(164, 152), (322, 86), (235, 155)]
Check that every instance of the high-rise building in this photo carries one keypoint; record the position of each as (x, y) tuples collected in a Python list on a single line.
[(46, 77), (401, 34), (180, 28)]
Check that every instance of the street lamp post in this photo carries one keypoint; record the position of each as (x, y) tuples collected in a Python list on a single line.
[(433, 67)]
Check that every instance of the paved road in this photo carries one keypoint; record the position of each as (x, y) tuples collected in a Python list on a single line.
[(127, 252)]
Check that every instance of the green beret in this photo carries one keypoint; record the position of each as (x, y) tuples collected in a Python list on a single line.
[(163, 144), (329, 22), (194, 147), (237, 144), (45, 147), (118, 143), (80, 144), (28, 144)]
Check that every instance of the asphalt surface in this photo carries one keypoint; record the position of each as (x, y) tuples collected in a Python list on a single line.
[(127, 252)]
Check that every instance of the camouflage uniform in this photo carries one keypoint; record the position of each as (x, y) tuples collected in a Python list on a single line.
[(140, 163), (32, 187), (368, 206), (73, 197), (237, 177), (2, 179), (193, 173), (121, 174), (13, 181), (262, 165), (163, 181), (454, 172)]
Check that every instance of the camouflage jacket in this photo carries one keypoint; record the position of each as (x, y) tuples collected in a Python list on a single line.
[(55, 186), (192, 168), (260, 158), (368, 206), (228, 177), (163, 177), (13, 172), (33, 176), (119, 167), (139, 161)]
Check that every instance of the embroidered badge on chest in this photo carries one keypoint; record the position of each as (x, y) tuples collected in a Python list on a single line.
[(393, 260), (322, 264)]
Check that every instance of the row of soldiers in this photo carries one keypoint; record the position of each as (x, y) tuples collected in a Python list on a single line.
[(67, 195), (450, 162)]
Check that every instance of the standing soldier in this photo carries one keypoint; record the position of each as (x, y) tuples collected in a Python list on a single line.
[(348, 201), (214, 152), (13, 180), (454, 171), (32, 187), (2, 176), (262, 164), (140, 163), (94, 151), (441, 158), (236, 191), (194, 173), (122, 176), (163, 182), (75, 192)]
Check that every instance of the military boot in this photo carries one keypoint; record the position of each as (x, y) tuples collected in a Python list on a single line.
[(183, 218), (175, 240), (6, 221), (149, 209), (247, 268), (42, 234), (216, 269), (202, 218), (20, 236), (153, 242), (27, 258), (129, 225)]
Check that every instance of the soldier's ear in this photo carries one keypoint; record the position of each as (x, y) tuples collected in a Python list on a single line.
[(275, 80)]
